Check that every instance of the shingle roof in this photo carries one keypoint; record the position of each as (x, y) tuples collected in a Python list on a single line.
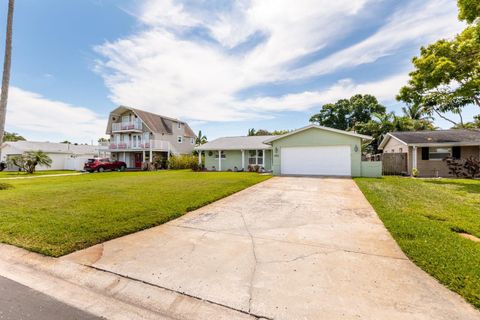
[(158, 123), (439, 136), (237, 143), (51, 147)]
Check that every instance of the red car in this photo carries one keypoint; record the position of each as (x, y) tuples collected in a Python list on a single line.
[(101, 165)]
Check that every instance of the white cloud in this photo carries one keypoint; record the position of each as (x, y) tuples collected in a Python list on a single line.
[(161, 69), (42, 118), (384, 89)]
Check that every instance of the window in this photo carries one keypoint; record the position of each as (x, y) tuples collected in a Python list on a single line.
[(179, 139), (439, 153), (179, 125), (255, 157), (192, 140), (400, 150), (223, 155)]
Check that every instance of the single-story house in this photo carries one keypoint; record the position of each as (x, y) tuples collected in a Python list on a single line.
[(426, 149), (311, 150), (64, 156)]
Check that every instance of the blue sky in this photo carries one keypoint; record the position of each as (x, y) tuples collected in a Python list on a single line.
[(223, 66)]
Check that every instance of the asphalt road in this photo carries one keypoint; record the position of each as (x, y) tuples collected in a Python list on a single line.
[(18, 302)]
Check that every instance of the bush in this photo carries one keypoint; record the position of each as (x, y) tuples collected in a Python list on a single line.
[(466, 168), (184, 162), (5, 186)]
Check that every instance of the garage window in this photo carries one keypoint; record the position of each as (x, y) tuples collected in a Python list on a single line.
[(255, 157)]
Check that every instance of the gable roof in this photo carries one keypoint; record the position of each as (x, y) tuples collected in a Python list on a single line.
[(51, 147), (436, 137), (348, 133), (237, 143), (155, 122)]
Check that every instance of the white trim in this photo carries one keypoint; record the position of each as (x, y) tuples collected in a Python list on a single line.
[(274, 138), (243, 159), (414, 159)]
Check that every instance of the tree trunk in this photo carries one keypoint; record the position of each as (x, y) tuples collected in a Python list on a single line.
[(6, 69)]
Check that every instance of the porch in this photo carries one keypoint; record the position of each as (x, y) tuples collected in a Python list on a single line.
[(236, 159)]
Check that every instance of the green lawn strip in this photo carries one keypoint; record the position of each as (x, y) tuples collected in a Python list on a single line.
[(13, 174), (59, 215), (421, 214)]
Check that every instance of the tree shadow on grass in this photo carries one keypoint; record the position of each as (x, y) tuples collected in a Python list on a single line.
[(470, 186)]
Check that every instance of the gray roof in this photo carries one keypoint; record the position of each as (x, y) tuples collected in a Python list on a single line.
[(439, 136), (237, 143), (51, 147)]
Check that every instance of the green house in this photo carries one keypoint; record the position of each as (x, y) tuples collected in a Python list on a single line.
[(311, 150)]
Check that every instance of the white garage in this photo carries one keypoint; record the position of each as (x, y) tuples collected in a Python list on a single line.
[(323, 161)]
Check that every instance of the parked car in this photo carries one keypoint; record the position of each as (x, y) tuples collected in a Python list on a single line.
[(101, 165)]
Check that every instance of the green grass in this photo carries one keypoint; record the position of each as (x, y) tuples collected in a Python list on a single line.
[(59, 215), (13, 174), (423, 215)]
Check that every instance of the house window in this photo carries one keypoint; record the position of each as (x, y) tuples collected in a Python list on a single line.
[(192, 140), (223, 155), (179, 125), (179, 139), (400, 150), (255, 157), (439, 153)]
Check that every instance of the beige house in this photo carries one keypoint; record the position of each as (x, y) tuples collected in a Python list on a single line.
[(426, 149), (138, 136)]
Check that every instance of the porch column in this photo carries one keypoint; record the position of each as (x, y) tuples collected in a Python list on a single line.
[(143, 155), (219, 160), (200, 157), (150, 155), (243, 159), (414, 159), (263, 158)]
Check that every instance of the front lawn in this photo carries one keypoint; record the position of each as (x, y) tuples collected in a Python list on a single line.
[(59, 215), (13, 174), (424, 216)]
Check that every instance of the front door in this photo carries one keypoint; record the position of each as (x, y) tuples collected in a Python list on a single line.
[(138, 160)]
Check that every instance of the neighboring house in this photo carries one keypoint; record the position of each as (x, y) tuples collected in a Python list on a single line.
[(426, 149), (64, 156), (138, 136), (311, 150)]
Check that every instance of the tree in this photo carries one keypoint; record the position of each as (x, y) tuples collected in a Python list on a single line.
[(345, 114), (102, 140), (469, 10), (446, 76), (12, 137), (201, 139), (28, 161), (6, 69), (251, 132)]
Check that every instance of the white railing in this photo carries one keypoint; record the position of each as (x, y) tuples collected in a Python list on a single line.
[(126, 126), (158, 145)]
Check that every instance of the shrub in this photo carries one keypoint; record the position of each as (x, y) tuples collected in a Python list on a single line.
[(467, 168), (5, 186), (415, 172), (183, 162)]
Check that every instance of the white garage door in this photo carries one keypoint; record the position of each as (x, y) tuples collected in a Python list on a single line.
[(328, 161)]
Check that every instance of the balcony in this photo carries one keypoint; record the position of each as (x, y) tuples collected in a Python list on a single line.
[(135, 126), (155, 145)]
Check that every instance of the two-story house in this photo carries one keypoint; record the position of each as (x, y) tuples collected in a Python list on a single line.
[(138, 136)]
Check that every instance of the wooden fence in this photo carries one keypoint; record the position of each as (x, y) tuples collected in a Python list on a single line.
[(394, 163)]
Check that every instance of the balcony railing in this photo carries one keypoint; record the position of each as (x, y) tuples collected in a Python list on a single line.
[(158, 145), (127, 126)]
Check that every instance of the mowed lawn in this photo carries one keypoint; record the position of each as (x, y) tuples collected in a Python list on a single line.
[(14, 174), (424, 216), (59, 215)]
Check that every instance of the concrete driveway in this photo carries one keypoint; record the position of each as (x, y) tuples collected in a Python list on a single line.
[(288, 248)]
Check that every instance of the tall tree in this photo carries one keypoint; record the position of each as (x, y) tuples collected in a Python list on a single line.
[(6, 68), (345, 114), (251, 132)]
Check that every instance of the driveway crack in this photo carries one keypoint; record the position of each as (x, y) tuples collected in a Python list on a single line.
[(254, 254)]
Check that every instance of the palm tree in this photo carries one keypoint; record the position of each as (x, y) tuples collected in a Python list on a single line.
[(6, 68), (251, 132), (415, 112), (12, 136), (201, 139)]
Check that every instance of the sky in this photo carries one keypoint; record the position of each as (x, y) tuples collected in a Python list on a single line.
[(222, 66)]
